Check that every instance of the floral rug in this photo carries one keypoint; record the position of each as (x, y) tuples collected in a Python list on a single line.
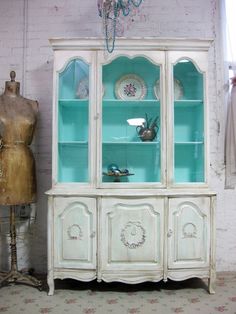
[(71, 296)]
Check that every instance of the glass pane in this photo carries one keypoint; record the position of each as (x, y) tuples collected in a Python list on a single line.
[(73, 109), (131, 121), (188, 123)]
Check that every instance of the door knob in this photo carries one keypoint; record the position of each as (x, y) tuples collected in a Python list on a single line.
[(169, 234)]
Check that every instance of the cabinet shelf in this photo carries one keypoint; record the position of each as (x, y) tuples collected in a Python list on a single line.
[(188, 103), (131, 143), (189, 143), (73, 102), (129, 103), (75, 143)]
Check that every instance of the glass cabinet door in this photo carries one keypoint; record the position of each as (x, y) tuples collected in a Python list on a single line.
[(187, 82), (73, 118), (131, 121)]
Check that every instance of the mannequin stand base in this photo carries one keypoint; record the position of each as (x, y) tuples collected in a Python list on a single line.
[(15, 276)]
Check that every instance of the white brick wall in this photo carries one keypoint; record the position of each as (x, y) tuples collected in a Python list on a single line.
[(24, 47)]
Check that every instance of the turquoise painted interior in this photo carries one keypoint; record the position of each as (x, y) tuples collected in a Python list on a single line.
[(189, 163), (73, 120), (191, 79), (141, 159), (189, 125), (73, 116), (69, 79), (72, 162), (188, 122), (121, 66), (115, 116), (121, 143)]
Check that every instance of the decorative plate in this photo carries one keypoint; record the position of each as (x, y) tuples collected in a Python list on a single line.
[(178, 90), (130, 87), (83, 88)]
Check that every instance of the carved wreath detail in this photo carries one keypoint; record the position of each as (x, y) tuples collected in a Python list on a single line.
[(74, 232), (133, 235), (189, 230)]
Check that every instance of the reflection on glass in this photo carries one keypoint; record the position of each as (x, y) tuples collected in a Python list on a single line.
[(130, 106), (189, 124), (73, 122), (74, 81)]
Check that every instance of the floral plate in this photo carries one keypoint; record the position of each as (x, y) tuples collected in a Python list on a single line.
[(178, 90), (130, 87)]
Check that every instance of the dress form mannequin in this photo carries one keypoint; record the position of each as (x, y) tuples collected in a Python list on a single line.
[(17, 166)]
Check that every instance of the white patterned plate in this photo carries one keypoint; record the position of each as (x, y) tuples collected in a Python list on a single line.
[(130, 87), (178, 90)]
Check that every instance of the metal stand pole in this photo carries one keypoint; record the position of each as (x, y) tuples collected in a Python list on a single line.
[(14, 276)]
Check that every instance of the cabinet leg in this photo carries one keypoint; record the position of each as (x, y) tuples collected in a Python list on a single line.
[(51, 285), (211, 285)]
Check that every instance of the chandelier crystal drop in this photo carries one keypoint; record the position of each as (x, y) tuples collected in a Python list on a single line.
[(109, 11)]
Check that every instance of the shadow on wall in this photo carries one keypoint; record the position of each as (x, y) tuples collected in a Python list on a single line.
[(40, 88)]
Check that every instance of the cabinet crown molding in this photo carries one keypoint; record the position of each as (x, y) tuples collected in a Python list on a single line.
[(134, 43)]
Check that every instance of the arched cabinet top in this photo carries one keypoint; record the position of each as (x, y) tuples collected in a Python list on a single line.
[(189, 206), (75, 206), (87, 48), (63, 58), (188, 60), (198, 59), (154, 57)]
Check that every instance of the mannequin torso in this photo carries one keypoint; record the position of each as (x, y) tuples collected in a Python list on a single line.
[(17, 167)]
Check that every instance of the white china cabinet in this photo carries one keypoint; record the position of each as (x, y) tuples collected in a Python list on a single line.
[(130, 200)]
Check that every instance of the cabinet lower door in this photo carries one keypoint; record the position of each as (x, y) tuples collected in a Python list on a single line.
[(189, 232), (75, 232), (131, 234)]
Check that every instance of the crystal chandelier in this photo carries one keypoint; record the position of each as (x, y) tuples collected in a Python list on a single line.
[(109, 11)]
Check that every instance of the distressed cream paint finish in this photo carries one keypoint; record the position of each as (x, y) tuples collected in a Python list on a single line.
[(136, 232)]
